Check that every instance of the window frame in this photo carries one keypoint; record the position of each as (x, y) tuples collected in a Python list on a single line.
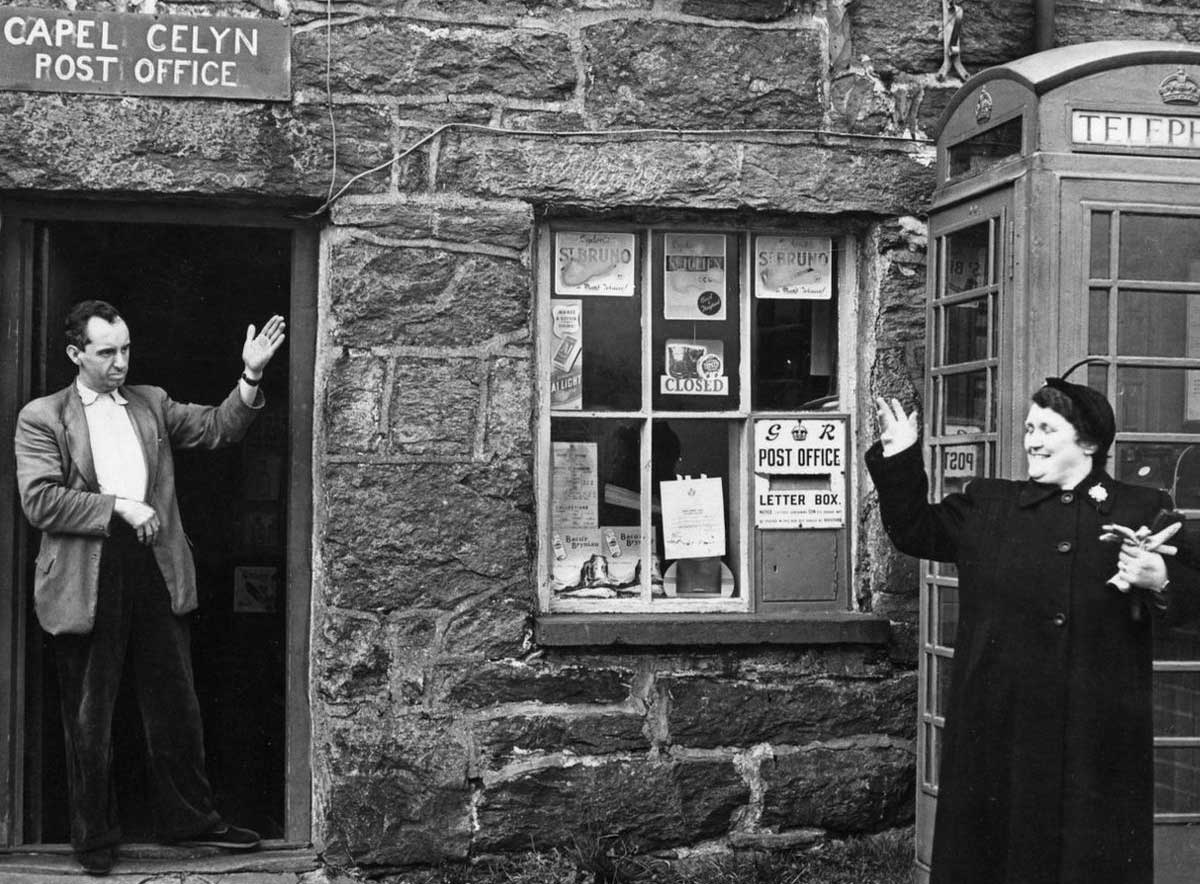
[(593, 621)]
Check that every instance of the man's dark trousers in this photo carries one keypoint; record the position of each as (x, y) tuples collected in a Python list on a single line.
[(135, 627)]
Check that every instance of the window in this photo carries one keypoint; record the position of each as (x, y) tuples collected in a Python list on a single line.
[(692, 457)]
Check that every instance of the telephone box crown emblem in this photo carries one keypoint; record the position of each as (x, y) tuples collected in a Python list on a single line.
[(983, 106), (1179, 88)]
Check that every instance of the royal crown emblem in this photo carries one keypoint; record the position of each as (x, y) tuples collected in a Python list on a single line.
[(983, 106), (1179, 88)]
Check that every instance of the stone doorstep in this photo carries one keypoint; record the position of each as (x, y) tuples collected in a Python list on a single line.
[(147, 862)]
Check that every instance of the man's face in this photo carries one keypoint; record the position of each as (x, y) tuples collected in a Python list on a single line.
[(104, 360)]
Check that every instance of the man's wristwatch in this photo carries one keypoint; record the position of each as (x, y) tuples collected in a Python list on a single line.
[(253, 382)]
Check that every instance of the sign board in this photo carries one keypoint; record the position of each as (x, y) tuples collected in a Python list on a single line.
[(594, 263), (793, 267), (1133, 131), (119, 53), (800, 472)]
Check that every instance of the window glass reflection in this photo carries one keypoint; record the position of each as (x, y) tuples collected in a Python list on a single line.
[(1098, 321), (1173, 467), (967, 258), (1158, 400), (1176, 779), (947, 615), (1158, 324), (1160, 247), (1101, 228), (961, 464), (965, 397), (967, 331)]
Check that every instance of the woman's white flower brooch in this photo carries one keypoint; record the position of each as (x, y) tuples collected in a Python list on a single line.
[(1098, 493)]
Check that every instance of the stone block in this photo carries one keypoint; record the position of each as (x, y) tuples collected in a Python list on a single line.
[(382, 294), (350, 659), (1089, 22), (400, 801), (646, 73), (706, 712), (452, 531), (500, 739), (797, 177), (642, 804), (859, 104), (518, 10), (495, 683), (434, 405), (509, 430), (389, 56), (741, 10), (499, 627), (364, 141), (457, 221), (846, 790), (353, 401)]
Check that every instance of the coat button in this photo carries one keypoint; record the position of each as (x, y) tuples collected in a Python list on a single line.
[(1060, 619), (1064, 546), (1068, 497)]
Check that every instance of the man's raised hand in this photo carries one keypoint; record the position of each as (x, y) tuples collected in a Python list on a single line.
[(897, 430), (260, 347)]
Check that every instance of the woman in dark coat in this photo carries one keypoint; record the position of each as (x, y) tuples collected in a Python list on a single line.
[(1047, 762)]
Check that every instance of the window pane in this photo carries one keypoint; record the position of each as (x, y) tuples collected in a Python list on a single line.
[(1176, 780), (1177, 704), (1101, 227), (965, 403), (967, 331), (967, 258), (795, 352), (1098, 321), (1160, 247), (1158, 324), (1179, 643), (960, 464), (1171, 467), (695, 448), (596, 354), (982, 151), (947, 615), (1158, 400), (695, 345), (595, 535)]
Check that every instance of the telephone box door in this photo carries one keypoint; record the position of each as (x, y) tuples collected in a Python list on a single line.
[(1131, 300)]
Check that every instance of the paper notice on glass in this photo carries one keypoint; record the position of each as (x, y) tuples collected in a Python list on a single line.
[(693, 514), (594, 264), (694, 367), (566, 355), (574, 485), (604, 562), (794, 267), (694, 276)]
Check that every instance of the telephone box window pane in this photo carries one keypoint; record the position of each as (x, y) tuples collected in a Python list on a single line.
[(1101, 231), (965, 403), (1177, 704), (1158, 324), (795, 352), (695, 344), (967, 258), (1160, 247), (595, 480), (967, 331), (1179, 643), (1172, 467), (930, 773), (1158, 400), (947, 615), (1097, 378), (961, 464), (595, 353), (944, 667), (980, 152), (695, 448), (1098, 321), (1176, 780)]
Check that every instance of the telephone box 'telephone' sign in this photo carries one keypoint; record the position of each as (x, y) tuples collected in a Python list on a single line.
[(1133, 131), (118, 53)]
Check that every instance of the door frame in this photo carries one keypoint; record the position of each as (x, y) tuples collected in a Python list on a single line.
[(16, 353)]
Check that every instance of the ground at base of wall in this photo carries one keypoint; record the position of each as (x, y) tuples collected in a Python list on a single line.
[(886, 858)]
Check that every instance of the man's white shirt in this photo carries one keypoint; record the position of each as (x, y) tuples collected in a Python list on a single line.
[(116, 449)]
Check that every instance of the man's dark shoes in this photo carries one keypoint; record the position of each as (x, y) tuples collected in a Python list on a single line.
[(224, 836), (98, 860)]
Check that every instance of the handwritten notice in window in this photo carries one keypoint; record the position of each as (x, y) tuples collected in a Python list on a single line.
[(575, 486), (693, 513)]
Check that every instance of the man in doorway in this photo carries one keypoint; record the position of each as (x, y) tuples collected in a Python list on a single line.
[(115, 577)]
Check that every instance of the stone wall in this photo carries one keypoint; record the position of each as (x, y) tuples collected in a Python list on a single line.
[(440, 730)]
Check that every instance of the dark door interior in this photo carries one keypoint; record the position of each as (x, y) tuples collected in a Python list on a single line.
[(187, 293)]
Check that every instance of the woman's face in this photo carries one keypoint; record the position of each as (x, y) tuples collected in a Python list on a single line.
[(1052, 447)]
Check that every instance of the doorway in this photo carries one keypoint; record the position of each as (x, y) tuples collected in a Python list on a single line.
[(187, 291)]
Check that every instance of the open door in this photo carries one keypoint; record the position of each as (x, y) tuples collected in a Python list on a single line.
[(187, 284)]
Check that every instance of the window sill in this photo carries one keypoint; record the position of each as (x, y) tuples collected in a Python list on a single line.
[(49, 862), (643, 630)]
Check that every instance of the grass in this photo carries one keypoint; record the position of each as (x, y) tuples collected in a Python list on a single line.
[(880, 859)]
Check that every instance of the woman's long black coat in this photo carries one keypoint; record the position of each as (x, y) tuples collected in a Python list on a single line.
[(1047, 761)]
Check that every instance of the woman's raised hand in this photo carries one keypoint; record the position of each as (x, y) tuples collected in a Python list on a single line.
[(897, 430)]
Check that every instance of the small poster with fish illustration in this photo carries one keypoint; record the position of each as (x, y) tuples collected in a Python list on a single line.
[(694, 276), (594, 263), (793, 267)]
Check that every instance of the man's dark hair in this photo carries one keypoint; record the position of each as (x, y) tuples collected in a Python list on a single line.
[(75, 328)]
